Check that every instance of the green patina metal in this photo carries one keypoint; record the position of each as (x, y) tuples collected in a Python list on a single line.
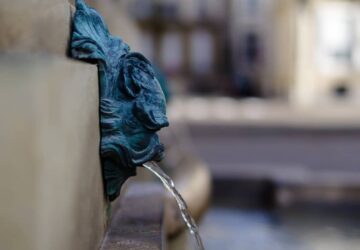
[(132, 103)]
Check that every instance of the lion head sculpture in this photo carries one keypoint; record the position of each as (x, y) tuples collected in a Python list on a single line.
[(132, 103)]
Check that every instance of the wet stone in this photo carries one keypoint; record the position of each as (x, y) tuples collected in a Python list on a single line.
[(137, 222)]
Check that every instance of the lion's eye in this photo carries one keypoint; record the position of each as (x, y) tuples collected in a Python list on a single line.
[(142, 65), (130, 82)]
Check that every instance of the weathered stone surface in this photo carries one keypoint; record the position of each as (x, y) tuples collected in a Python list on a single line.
[(51, 189), (137, 223), (35, 25), (44, 25)]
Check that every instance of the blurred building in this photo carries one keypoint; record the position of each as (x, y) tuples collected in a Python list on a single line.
[(255, 32), (327, 49), (305, 51), (186, 39)]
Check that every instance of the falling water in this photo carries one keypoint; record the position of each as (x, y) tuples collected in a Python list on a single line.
[(169, 185)]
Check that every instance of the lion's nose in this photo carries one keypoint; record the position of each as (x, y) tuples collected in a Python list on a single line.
[(159, 118), (153, 117)]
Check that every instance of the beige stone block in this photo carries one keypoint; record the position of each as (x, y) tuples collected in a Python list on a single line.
[(35, 25), (51, 189), (45, 25)]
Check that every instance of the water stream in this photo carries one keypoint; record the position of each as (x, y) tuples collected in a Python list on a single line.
[(169, 185)]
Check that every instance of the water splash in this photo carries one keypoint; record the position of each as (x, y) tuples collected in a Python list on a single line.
[(169, 185)]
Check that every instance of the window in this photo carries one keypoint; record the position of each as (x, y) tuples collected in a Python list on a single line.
[(172, 52), (202, 52), (335, 38)]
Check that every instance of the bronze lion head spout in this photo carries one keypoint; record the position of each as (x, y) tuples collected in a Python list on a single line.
[(132, 103)]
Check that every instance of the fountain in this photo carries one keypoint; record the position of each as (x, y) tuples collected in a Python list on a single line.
[(132, 107), (170, 186)]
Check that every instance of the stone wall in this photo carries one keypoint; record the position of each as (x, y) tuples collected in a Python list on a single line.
[(50, 183)]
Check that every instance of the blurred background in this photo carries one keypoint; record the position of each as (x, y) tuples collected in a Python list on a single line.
[(264, 106), (266, 93), (302, 52)]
